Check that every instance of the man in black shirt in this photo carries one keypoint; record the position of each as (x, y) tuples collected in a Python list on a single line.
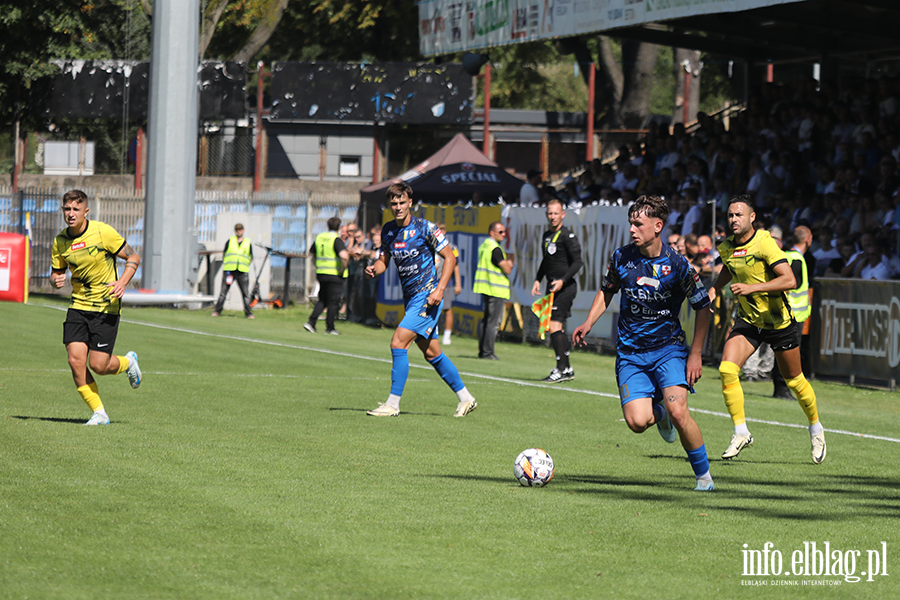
[(562, 261)]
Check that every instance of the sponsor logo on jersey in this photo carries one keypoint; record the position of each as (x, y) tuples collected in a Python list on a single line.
[(742, 252), (78, 246), (398, 254), (648, 281), (399, 244), (630, 265), (696, 277)]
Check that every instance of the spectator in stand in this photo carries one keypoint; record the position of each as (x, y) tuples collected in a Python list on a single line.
[(836, 267), (667, 158), (760, 187), (666, 185), (888, 181), (693, 219), (866, 216), (874, 264), (698, 175), (528, 194), (680, 207), (827, 250), (825, 179), (672, 240), (870, 152), (680, 178), (646, 180)]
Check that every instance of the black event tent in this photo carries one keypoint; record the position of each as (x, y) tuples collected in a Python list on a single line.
[(453, 174)]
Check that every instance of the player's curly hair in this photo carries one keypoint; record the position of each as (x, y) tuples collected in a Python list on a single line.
[(652, 206)]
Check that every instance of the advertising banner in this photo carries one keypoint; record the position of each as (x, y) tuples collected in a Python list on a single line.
[(599, 229), (448, 26), (13, 267), (858, 329)]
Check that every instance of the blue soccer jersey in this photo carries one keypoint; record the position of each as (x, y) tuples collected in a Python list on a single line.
[(413, 248), (653, 290)]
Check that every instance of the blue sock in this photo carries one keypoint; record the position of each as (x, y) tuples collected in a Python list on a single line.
[(699, 461), (448, 372), (399, 370), (659, 411)]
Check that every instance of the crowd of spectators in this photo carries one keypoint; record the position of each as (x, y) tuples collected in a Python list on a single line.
[(360, 294), (824, 155)]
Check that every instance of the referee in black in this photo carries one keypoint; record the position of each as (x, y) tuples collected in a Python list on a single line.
[(561, 262)]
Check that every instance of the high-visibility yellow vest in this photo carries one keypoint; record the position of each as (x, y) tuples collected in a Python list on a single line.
[(237, 258), (798, 298), (327, 260), (489, 278)]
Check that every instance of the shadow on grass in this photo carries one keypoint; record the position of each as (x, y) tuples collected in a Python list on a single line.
[(402, 412), (48, 419)]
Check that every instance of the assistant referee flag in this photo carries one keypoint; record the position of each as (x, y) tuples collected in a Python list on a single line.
[(543, 308)]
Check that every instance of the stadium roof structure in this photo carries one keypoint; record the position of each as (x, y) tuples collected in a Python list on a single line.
[(857, 30), (756, 31)]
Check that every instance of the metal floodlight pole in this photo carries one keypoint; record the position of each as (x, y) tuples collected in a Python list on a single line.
[(170, 249), (592, 78), (487, 111)]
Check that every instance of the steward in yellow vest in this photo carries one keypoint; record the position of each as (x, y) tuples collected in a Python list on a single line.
[(490, 279), (236, 268), (238, 254), (492, 282), (798, 298), (327, 260), (331, 258)]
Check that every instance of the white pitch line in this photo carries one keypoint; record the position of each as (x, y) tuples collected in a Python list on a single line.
[(480, 376), (798, 426)]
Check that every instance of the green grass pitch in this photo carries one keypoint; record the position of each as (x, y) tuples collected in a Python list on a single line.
[(245, 467)]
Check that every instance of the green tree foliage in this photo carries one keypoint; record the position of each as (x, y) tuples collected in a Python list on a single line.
[(346, 30), (534, 76), (34, 34)]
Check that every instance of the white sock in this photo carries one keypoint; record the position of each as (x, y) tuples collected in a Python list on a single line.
[(464, 395), (393, 401), (816, 428), (102, 411), (705, 477), (741, 429)]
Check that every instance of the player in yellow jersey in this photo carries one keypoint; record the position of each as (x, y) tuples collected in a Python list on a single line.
[(760, 277), (89, 249)]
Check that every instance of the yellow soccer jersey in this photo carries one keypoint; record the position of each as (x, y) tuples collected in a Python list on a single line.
[(753, 262), (92, 258)]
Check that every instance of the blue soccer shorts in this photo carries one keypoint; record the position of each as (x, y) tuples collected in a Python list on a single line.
[(646, 374), (421, 318)]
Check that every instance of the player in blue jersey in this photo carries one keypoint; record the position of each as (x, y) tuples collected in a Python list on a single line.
[(412, 243), (654, 368)]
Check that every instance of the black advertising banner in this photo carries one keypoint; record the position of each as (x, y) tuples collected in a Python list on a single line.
[(102, 89), (387, 93), (858, 329)]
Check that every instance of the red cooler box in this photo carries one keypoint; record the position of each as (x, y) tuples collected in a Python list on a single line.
[(13, 267)]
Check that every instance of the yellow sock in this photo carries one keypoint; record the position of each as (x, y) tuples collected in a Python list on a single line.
[(733, 392), (807, 397), (124, 361), (90, 396)]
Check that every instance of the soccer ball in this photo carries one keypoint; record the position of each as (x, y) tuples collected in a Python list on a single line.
[(533, 468)]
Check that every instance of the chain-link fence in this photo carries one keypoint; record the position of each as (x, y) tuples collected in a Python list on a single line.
[(296, 219)]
